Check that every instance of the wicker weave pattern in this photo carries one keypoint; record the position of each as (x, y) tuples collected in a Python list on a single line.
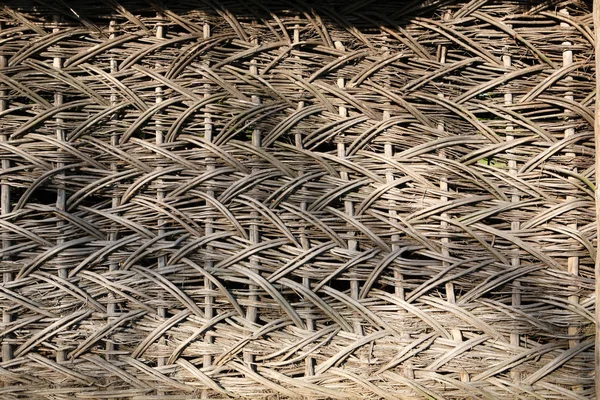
[(351, 200)]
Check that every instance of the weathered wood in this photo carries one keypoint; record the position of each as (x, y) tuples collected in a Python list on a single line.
[(596, 19), (323, 200)]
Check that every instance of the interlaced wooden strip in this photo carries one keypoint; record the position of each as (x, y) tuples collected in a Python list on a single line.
[(322, 200)]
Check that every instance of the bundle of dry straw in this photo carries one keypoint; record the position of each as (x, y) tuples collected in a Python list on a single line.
[(279, 199)]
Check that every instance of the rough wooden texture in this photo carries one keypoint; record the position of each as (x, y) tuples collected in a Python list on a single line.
[(275, 200), (596, 18)]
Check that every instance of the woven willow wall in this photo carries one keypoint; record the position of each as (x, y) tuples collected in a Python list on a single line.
[(276, 200)]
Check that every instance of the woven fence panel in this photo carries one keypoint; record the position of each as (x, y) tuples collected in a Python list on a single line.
[(280, 200)]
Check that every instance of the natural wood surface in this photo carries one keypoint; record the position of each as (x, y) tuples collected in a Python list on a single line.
[(286, 199), (596, 16)]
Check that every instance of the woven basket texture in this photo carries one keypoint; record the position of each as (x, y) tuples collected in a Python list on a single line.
[(279, 199)]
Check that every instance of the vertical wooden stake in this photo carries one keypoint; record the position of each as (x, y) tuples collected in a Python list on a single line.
[(444, 226), (209, 229), (304, 240), (348, 205), (515, 225), (573, 261), (5, 208), (160, 196), (252, 310), (61, 193), (596, 14), (111, 307)]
